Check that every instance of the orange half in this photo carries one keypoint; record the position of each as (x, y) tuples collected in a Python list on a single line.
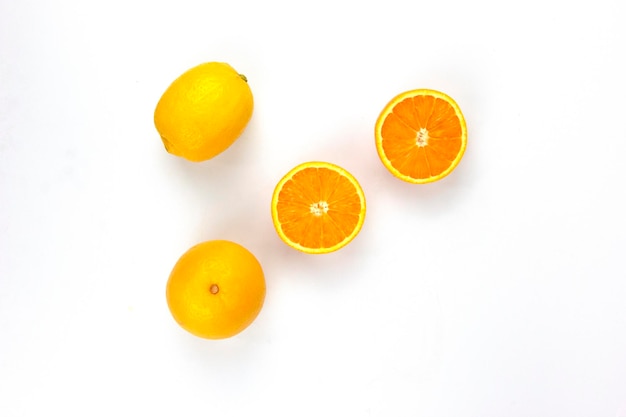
[(421, 136), (318, 207)]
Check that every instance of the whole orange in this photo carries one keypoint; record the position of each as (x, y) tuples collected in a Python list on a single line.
[(216, 289), (204, 111)]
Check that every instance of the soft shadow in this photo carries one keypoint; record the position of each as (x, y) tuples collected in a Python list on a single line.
[(224, 357), (241, 152)]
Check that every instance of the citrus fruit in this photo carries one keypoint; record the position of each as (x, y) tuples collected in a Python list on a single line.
[(204, 111), (318, 207), (421, 135), (216, 289)]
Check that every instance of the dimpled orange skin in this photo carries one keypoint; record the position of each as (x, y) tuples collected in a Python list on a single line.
[(216, 289), (204, 111)]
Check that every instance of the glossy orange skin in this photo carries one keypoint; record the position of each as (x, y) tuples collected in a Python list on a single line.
[(216, 289), (204, 111)]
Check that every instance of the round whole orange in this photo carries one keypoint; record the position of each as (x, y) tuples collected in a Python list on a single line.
[(216, 289)]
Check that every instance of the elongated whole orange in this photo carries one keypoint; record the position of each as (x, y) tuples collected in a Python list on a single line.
[(204, 111)]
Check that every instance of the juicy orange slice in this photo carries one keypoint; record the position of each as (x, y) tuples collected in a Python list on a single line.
[(421, 136), (318, 207)]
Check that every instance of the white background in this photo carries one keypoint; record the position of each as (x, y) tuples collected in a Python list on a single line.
[(498, 291)]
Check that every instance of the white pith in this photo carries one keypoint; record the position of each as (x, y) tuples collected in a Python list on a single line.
[(422, 137), (319, 208)]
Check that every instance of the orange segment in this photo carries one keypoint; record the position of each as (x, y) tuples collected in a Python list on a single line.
[(421, 135), (318, 207)]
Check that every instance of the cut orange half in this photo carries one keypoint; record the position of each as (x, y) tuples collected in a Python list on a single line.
[(421, 136), (318, 207)]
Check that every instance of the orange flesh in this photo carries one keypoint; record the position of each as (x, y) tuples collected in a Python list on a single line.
[(401, 142), (318, 208)]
